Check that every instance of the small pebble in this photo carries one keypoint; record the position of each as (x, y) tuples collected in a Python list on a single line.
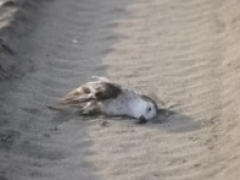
[(75, 41), (104, 123)]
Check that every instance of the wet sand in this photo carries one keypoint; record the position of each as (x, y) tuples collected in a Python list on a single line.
[(186, 52)]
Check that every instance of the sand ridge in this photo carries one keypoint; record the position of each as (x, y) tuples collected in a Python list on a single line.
[(186, 52)]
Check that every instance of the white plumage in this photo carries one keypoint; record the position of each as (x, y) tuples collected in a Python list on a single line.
[(106, 97)]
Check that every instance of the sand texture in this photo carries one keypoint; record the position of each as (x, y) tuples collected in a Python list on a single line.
[(184, 51)]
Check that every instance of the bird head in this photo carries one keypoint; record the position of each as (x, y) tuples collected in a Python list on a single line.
[(145, 109)]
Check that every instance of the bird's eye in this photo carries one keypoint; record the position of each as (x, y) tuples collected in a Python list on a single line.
[(149, 109)]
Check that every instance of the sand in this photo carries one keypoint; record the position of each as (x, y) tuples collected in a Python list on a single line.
[(186, 52)]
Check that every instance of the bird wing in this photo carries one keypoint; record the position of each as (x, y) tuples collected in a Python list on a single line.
[(92, 91)]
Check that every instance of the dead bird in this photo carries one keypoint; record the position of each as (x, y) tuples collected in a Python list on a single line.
[(106, 97)]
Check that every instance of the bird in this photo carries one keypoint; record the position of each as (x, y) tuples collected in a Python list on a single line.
[(102, 96)]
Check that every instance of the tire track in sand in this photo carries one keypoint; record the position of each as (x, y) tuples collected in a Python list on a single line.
[(66, 50)]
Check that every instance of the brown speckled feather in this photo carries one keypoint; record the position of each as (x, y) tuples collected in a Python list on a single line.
[(92, 92)]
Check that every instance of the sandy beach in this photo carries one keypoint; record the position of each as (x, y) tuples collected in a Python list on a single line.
[(185, 52)]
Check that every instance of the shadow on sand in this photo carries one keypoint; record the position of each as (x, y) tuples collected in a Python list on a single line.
[(175, 122), (167, 120)]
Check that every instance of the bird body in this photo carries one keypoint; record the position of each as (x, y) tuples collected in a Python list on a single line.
[(106, 97)]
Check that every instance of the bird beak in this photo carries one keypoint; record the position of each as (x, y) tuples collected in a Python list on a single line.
[(142, 120)]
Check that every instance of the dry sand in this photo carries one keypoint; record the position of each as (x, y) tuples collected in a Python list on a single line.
[(186, 52)]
